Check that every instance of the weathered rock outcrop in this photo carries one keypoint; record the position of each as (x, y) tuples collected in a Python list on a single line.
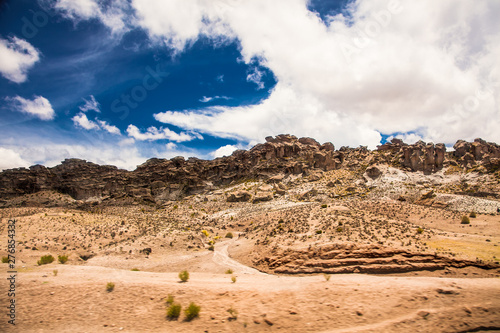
[(356, 258), (420, 156), (471, 153), (160, 180)]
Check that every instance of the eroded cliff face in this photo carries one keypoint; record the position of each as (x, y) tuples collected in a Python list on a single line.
[(160, 180)]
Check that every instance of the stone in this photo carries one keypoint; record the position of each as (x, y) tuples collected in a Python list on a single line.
[(373, 172), (263, 196), (239, 196)]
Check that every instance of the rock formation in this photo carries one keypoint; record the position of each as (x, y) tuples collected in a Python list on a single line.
[(160, 180)]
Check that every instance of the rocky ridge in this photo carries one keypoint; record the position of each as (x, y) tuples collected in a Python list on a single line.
[(161, 180)]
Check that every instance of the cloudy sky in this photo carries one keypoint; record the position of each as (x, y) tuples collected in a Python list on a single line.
[(120, 81)]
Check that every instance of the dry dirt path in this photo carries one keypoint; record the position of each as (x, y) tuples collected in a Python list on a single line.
[(221, 257)]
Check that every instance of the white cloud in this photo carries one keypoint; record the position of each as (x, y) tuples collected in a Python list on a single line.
[(283, 112), (206, 99), (226, 150), (113, 15), (424, 67), (90, 104), (39, 107), (10, 159), (18, 56), (256, 77), (81, 120), (109, 128), (153, 134)]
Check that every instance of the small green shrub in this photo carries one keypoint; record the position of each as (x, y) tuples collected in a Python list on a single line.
[(205, 233), (233, 278), (62, 259), (229, 271), (420, 230), (339, 229), (192, 311), (110, 286), (473, 214), (47, 259), (184, 276), (55, 271), (169, 300), (465, 219), (135, 269), (229, 235), (324, 206), (319, 232), (5, 260), (211, 248), (174, 311), (326, 276)]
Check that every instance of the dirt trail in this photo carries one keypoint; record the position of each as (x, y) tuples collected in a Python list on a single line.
[(221, 257)]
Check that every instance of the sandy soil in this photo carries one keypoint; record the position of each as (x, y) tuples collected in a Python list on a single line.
[(141, 249), (76, 301)]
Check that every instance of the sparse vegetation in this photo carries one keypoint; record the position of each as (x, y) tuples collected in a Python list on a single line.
[(465, 219), (229, 271), (174, 311), (62, 259), (169, 300), (420, 230), (135, 269), (184, 276), (324, 205), (229, 235), (55, 271), (326, 276), (5, 260), (233, 278), (47, 259), (472, 214), (233, 313), (192, 311), (110, 286)]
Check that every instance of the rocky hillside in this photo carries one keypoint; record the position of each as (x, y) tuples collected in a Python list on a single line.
[(161, 180)]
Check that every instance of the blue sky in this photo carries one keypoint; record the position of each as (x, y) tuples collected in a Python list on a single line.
[(119, 81)]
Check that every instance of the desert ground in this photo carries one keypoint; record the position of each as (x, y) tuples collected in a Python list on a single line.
[(321, 254)]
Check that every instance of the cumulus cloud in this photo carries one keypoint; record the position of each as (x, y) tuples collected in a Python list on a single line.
[(90, 104), (10, 159), (154, 134), (39, 107), (18, 57), (81, 120), (226, 150), (427, 68)]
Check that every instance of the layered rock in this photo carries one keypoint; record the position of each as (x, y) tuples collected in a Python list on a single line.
[(356, 258)]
